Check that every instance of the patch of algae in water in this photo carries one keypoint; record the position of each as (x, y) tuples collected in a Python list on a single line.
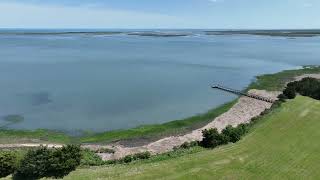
[(13, 118)]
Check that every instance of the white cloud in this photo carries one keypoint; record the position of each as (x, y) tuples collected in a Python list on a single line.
[(307, 4), (36, 16), (215, 1)]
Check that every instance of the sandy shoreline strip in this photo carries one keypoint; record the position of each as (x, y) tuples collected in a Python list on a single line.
[(242, 112)]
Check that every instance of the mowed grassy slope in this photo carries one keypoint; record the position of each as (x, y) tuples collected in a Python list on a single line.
[(284, 144)]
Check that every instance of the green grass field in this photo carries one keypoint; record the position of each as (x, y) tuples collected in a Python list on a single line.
[(284, 144)]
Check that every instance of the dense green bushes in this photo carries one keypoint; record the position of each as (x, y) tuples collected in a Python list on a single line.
[(212, 138), (134, 157), (306, 87), (234, 134), (45, 162), (289, 93), (8, 163), (90, 158), (34, 165), (130, 158), (64, 160), (188, 145)]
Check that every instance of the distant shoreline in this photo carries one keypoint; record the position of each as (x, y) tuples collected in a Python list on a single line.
[(164, 32), (276, 33)]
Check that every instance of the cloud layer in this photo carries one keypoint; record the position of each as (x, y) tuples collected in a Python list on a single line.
[(88, 16), (223, 14)]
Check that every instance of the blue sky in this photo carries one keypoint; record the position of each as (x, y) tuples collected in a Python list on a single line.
[(217, 14)]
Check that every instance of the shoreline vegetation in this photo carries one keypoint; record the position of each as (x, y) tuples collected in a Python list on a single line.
[(275, 33), (144, 134), (172, 33), (139, 135), (255, 156), (96, 33)]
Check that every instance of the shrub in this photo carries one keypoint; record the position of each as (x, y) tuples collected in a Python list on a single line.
[(44, 162), (34, 165), (133, 157), (90, 158), (234, 134), (282, 97), (188, 145), (64, 160), (127, 159), (8, 163), (244, 128), (113, 161), (290, 92), (212, 138), (142, 155)]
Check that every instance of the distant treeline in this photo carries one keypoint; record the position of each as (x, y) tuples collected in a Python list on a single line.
[(284, 33)]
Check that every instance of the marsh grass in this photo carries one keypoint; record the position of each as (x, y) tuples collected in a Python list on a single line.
[(160, 130), (145, 132), (277, 81)]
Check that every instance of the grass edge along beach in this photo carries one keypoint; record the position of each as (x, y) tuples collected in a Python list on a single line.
[(280, 145)]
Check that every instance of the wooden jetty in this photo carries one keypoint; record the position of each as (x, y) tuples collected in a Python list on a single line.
[(254, 96)]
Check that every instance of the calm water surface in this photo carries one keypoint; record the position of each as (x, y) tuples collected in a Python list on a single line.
[(105, 82)]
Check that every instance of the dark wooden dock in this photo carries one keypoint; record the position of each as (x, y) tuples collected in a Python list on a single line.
[(234, 91)]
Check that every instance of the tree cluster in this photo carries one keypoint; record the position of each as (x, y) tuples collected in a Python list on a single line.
[(306, 87), (212, 138), (45, 162), (8, 163)]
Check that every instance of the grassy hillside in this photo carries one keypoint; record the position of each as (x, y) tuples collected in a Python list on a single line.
[(282, 145)]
